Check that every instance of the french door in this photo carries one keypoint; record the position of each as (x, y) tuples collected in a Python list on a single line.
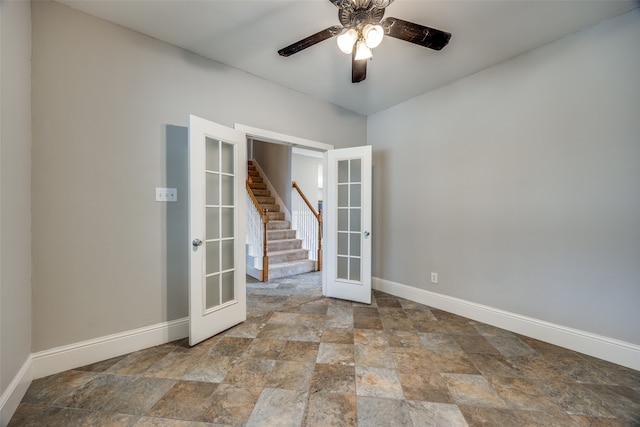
[(217, 281), (347, 232), (217, 227)]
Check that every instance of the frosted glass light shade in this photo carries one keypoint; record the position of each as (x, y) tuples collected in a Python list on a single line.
[(362, 51), (372, 35), (346, 40)]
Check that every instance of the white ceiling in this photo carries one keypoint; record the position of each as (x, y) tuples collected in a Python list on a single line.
[(247, 35)]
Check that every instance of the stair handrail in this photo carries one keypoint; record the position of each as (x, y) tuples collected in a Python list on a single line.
[(265, 220), (318, 217)]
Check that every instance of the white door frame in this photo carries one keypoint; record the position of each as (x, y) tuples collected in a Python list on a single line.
[(279, 138), (294, 141)]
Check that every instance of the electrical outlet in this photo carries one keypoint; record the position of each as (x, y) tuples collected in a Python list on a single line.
[(434, 277), (166, 194)]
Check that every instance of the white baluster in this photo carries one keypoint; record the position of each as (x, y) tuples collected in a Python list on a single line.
[(254, 233)]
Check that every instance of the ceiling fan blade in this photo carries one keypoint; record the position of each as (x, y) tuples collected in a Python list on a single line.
[(358, 68), (311, 40), (415, 33)]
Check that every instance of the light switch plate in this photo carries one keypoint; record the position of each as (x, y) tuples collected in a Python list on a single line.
[(166, 194)]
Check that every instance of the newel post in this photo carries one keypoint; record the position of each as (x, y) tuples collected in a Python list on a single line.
[(265, 257), (319, 266)]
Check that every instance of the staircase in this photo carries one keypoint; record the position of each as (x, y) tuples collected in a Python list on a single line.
[(286, 256)]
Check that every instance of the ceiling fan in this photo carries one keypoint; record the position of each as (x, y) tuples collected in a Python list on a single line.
[(363, 28)]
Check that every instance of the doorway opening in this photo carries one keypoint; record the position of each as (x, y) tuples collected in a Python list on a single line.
[(288, 173), (284, 228), (346, 222)]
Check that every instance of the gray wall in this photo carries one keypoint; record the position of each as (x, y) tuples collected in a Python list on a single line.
[(520, 185), (15, 190), (105, 254), (304, 170), (275, 162)]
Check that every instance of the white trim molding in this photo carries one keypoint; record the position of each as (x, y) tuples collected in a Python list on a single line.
[(610, 349), (12, 396), (83, 353), (279, 138)]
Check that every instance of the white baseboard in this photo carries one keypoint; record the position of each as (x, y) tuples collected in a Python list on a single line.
[(12, 396), (254, 272), (610, 349), (72, 356)]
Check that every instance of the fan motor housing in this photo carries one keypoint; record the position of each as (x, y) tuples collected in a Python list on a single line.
[(352, 17)]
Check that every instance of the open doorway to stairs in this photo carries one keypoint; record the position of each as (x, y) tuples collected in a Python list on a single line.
[(278, 160)]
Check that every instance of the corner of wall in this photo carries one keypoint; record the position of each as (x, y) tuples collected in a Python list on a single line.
[(12, 396), (15, 205)]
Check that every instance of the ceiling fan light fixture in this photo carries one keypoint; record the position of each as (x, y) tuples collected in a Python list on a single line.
[(373, 35), (347, 40), (362, 50), (363, 26)]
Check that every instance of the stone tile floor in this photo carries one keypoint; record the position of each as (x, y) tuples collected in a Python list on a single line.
[(304, 360)]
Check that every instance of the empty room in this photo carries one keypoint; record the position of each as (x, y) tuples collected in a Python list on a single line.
[(471, 181)]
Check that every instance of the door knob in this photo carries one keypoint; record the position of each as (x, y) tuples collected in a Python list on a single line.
[(366, 234), (196, 242)]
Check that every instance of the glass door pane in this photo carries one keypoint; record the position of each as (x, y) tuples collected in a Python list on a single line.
[(349, 229), (220, 223)]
